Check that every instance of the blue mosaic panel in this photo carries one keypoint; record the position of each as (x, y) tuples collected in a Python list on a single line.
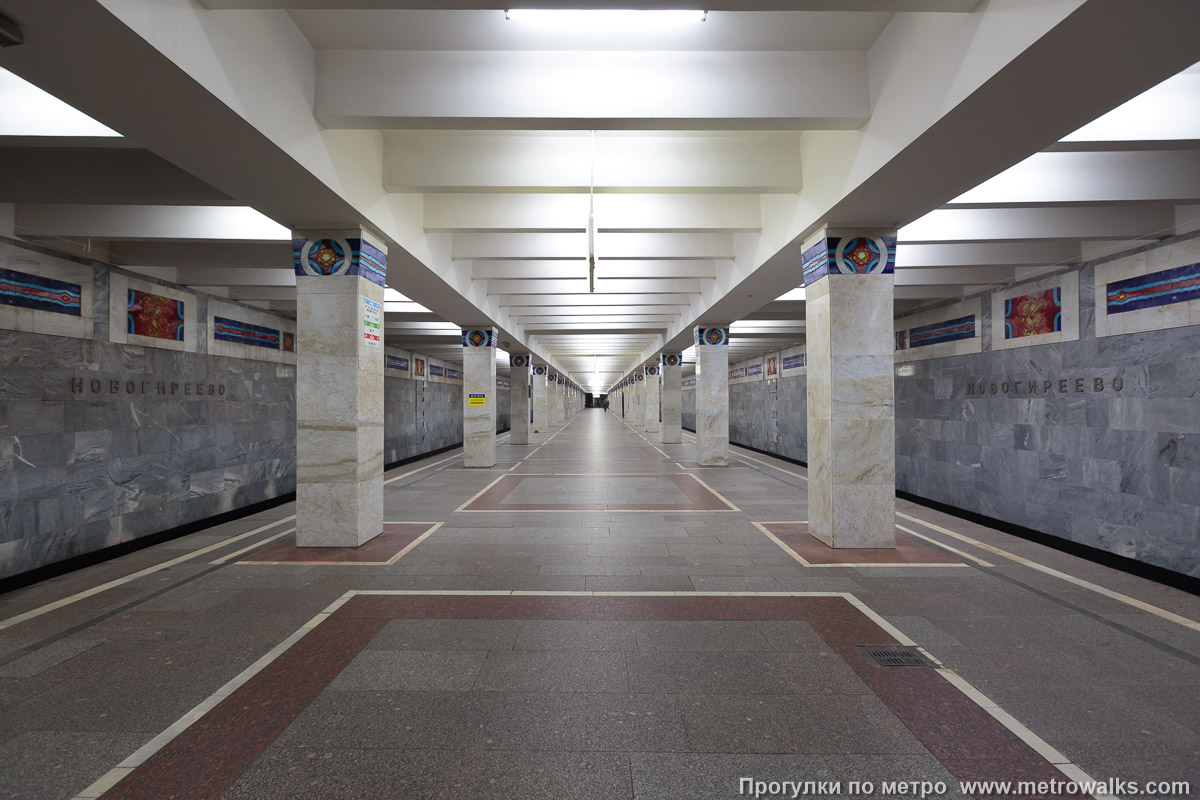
[(230, 330), (753, 369), (740, 372), (396, 362), (795, 362), (1177, 285), (41, 294), (436, 371), (938, 332), (328, 257), (453, 374)]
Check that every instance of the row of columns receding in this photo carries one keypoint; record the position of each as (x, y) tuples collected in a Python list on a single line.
[(848, 278)]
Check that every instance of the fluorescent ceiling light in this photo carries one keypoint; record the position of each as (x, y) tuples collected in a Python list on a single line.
[(794, 294), (605, 20)]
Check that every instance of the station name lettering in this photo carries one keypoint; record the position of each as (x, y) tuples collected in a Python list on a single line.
[(143, 387), (1046, 386)]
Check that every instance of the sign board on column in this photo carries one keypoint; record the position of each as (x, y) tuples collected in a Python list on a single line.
[(476, 400), (372, 322)]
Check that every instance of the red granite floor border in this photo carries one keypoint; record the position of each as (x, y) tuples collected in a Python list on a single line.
[(814, 552), (701, 496), (207, 757)]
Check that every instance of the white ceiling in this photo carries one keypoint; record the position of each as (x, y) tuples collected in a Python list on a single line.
[(466, 141)]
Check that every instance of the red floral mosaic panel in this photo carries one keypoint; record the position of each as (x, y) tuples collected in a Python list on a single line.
[(155, 316), (1033, 314)]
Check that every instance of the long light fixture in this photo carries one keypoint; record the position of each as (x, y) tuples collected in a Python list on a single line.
[(598, 20), (591, 224)]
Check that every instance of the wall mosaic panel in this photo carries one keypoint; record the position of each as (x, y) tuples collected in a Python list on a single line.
[(155, 316), (232, 330), (798, 361), (1149, 290), (395, 362), (1033, 314), (25, 290)]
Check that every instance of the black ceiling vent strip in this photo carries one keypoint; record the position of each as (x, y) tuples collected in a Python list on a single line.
[(894, 655)]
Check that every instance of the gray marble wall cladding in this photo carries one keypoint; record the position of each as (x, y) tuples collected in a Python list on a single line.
[(421, 416), (91, 455)]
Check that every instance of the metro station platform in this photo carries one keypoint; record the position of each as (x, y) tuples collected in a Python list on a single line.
[(594, 617)]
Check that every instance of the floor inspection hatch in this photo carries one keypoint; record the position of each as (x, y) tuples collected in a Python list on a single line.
[(894, 655)]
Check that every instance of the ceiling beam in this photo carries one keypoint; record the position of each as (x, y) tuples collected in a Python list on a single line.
[(483, 212), (621, 90), (505, 162), (1016, 224)]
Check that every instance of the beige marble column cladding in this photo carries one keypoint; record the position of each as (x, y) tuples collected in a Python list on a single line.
[(712, 396), (566, 403), (553, 409), (672, 398), (518, 393), (651, 409), (339, 388), (479, 397), (541, 413), (849, 278)]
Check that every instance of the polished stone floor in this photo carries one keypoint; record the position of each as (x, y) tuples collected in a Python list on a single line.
[(594, 617)]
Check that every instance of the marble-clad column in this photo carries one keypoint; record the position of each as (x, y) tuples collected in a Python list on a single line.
[(712, 396), (849, 278), (672, 398), (479, 397), (650, 411), (552, 400), (566, 399), (541, 408), (339, 387), (518, 393)]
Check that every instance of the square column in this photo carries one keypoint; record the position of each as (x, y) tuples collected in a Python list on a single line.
[(637, 418), (565, 401), (553, 409), (339, 387), (672, 398), (712, 396), (541, 410), (479, 397), (518, 394), (652, 374), (849, 279)]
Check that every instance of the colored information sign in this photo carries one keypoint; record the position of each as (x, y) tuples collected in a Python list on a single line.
[(476, 400), (372, 322)]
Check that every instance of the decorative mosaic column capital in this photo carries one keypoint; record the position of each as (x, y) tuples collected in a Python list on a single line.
[(711, 337), (652, 371), (519, 360), (848, 252), (539, 371), (672, 360), (325, 254), (479, 337)]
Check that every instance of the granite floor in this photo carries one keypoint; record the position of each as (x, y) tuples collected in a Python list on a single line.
[(594, 617)]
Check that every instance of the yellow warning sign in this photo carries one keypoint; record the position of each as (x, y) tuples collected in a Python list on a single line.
[(476, 400)]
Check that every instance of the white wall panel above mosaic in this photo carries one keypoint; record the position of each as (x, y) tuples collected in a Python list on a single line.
[(753, 369), (433, 370), (43, 294), (793, 362), (240, 332), (950, 330), (1044, 312), (1151, 290), (151, 314)]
